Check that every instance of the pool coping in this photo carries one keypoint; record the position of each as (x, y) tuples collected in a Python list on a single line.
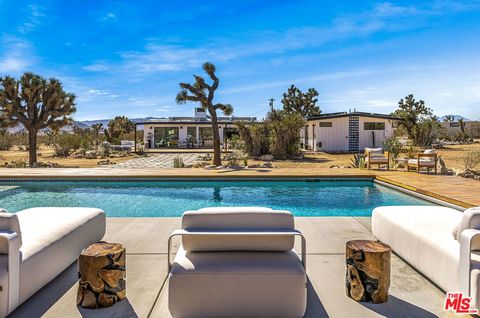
[(418, 192)]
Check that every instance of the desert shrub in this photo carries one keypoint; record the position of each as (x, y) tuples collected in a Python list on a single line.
[(255, 138), (245, 161), (394, 147), (471, 160), (7, 140), (285, 134), (65, 144), (278, 134), (427, 131), (358, 161)]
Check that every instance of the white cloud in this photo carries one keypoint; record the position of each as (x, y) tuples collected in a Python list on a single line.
[(17, 57), (97, 67), (33, 18), (107, 17)]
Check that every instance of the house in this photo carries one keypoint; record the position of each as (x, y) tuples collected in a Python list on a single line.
[(347, 131), (188, 132)]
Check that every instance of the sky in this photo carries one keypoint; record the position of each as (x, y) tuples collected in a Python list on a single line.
[(128, 57)]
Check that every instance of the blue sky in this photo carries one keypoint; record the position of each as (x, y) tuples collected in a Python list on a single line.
[(127, 57)]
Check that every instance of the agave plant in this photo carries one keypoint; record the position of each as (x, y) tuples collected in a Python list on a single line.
[(358, 161)]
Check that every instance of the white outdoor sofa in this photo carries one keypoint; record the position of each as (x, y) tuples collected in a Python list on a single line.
[(237, 262), (437, 241), (38, 244)]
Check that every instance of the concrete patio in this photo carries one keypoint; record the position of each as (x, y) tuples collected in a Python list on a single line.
[(411, 295)]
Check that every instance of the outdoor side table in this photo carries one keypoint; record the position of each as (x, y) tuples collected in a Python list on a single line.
[(368, 271), (102, 275)]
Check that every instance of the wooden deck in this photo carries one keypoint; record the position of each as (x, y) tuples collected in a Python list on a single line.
[(456, 190)]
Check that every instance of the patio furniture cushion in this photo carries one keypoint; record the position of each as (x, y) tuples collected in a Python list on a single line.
[(429, 151), (374, 152), (422, 235), (377, 159), (237, 284), (423, 162), (470, 220), (52, 238), (238, 219)]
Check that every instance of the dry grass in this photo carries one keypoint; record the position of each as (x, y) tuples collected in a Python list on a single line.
[(45, 154), (452, 155)]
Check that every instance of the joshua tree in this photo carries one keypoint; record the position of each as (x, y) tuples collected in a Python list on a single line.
[(295, 101), (449, 119), (461, 122), (203, 93), (412, 113), (36, 103), (96, 132), (117, 127)]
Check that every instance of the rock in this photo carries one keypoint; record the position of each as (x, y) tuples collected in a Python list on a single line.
[(266, 158), (105, 162), (210, 167), (90, 155), (253, 166), (267, 165), (79, 153)]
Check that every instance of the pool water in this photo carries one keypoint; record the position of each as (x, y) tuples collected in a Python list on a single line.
[(169, 198)]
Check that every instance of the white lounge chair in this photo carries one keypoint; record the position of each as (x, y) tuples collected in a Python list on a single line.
[(437, 241), (237, 262), (38, 244), (427, 159), (376, 156)]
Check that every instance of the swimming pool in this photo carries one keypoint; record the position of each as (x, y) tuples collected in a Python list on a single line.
[(172, 198)]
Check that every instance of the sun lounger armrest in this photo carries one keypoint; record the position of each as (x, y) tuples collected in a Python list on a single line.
[(10, 244), (469, 241), (182, 232)]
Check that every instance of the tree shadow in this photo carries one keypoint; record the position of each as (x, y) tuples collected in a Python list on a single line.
[(396, 307)]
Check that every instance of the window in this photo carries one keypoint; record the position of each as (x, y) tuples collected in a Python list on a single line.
[(206, 133), (325, 124), (192, 133), (374, 126)]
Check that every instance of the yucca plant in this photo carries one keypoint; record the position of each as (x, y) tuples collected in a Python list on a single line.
[(358, 161)]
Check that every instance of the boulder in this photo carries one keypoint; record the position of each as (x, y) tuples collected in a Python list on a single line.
[(266, 158), (90, 155), (267, 165)]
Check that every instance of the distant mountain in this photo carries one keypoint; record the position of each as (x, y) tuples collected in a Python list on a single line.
[(455, 118), (86, 124)]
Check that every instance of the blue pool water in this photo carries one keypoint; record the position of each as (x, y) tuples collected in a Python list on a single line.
[(149, 199)]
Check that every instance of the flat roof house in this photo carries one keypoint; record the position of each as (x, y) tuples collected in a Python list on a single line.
[(347, 131), (188, 132)]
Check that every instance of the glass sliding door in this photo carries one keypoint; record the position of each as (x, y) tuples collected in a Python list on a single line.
[(165, 137)]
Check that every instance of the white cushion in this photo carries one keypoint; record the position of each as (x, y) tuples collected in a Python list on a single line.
[(424, 162), (52, 240), (422, 235), (3, 210), (429, 151), (237, 284), (238, 219), (470, 220), (374, 152), (378, 159)]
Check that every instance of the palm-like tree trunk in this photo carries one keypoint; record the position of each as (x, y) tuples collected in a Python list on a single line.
[(32, 144), (217, 160)]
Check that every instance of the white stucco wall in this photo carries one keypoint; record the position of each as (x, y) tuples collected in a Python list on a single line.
[(366, 138)]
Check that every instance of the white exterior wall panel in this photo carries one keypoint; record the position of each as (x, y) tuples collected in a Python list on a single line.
[(374, 138), (332, 139)]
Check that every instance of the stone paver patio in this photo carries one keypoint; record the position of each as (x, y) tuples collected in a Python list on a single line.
[(164, 160), (411, 295)]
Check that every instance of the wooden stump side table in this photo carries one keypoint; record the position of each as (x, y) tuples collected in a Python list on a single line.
[(368, 271), (102, 275)]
